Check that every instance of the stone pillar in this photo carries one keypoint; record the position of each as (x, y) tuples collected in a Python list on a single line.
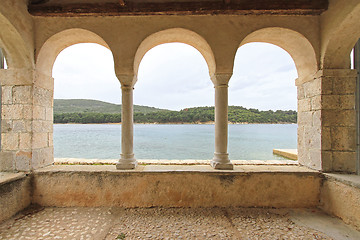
[(26, 127), (221, 156), (327, 120), (127, 159)]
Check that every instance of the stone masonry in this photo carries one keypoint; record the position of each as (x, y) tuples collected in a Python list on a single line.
[(326, 120)]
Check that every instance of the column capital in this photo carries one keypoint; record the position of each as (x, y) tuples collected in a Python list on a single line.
[(220, 79), (127, 80)]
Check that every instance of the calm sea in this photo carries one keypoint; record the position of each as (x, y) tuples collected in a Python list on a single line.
[(151, 141)]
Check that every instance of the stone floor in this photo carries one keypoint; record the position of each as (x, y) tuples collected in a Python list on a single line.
[(174, 223)]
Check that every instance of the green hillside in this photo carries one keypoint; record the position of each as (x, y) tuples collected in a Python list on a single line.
[(94, 106), (92, 111)]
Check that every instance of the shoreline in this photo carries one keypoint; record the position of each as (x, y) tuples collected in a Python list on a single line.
[(177, 123)]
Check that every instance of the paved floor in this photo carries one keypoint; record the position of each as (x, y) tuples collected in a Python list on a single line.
[(173, 223)]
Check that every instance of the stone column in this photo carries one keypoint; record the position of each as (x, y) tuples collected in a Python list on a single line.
[(127, 159), (327, 120), (221, 156)]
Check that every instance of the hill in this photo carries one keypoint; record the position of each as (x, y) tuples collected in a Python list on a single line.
[(92, 111), (94, 106)]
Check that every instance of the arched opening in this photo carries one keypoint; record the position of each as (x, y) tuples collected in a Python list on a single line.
[(174, 76), (262, 101), (87, 93), (89, 68), (176, 35)]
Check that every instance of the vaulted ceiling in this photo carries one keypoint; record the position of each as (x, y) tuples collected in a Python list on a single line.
[(175, 7)]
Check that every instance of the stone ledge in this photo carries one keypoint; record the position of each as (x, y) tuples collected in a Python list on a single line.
[(6, 177), (347, 179), (83, 161), (238, 170)]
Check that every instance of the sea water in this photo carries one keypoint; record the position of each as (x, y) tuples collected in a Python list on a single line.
[(170, 141)]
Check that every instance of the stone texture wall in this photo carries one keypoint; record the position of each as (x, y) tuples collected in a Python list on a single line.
[(26, 122), (327, 121)]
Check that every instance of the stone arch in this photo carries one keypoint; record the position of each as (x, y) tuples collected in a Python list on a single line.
[(297, 45), (55, 44), (339, 43), (176, 35), (17, 53)]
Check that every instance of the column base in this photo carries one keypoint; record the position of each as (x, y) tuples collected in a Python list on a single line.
[(221, 161), (127, 161)]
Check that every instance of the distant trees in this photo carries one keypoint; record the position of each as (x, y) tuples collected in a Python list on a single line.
[(236, 114)]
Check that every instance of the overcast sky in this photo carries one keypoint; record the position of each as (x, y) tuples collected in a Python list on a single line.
[(175, 76)]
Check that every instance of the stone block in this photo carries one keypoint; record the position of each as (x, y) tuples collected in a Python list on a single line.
[(326, 85), (7, 161), (344, 162), (347, 102), (6, 95), (344, 85), (25, 141), (39, 140), (316, 118), (338, 118), (300, 92), (51, 139), (314, 138), (19, 126), (316, 103), (6, 125), (23, 160), (315, 159), (42, 157), (43, 97), (9, 141), (304, 105), (326, 161), (37, 126), (330, 102), (28, 112), (312, 88), (15, 111), (326, 138), (22, 94), (305, 118), (343, 138), (39, 113), (49, 114)]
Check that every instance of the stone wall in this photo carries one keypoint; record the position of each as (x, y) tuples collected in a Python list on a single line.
[(327, 121), (26, 127)]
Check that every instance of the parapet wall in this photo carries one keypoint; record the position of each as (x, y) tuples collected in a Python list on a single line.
[(15, 194), (177, 186)]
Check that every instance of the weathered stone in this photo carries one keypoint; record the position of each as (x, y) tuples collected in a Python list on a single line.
[(25, 141), (343, 138), (22, 94), (19, 126), (6, 95), (40, 140), (39, 113), (22, 161), (12, 112), (304, 105), (7, 162), (338, 118), (316, 103), (10, 141), (344, 161)]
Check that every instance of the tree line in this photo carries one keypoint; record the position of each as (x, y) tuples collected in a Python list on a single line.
[(236, 114)]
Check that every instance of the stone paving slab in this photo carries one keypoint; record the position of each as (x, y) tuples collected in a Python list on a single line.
[(158, 223)]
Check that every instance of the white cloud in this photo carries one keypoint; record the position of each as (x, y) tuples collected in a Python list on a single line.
[(175, 76)]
